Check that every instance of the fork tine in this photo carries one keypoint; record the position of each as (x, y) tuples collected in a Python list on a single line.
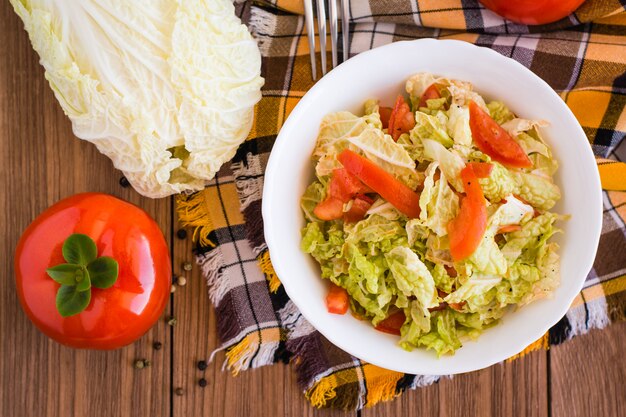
[(310, 30), (332, 17), (345, 28), (321, 22)]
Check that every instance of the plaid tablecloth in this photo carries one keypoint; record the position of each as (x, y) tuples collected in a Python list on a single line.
[(583, 57)]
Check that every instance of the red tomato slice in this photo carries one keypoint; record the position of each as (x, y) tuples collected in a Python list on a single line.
[(509, 228), (337, 300), (407, 123), (496, 142), (344, 185), (357, 211), (399, 120), (329, 209), (467, 229), (392, 324), (382, 182), (432, 92), (385, 114), (482, 169)]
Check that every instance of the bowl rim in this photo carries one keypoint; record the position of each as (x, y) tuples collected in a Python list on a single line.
[(273, 171)]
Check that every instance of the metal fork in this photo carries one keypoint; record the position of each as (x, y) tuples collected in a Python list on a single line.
[(334, 35)]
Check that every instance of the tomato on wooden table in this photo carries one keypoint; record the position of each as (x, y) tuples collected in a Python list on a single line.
[(494, 141), (337, 300), (467, 229), (124, 309), (392, 324), (382, 182), (533, 12)]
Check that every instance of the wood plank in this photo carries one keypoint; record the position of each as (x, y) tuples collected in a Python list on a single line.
[(518, 388), (42, 162), (267, 391), (587, 374)]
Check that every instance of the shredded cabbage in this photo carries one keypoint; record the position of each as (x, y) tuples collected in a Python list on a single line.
[(388, 262)]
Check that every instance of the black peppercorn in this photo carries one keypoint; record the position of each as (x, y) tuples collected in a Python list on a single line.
[(202, 382), (157, 345), (202, 365), (179, 391), (181, 234), (124, 182)]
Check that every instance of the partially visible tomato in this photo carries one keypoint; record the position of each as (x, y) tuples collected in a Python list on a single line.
[(432, 92), (342, 187), (494, 141), (481, 169), (358, 209), (115, 316), (533, 12), (382, 182), (392, 324), (468, 228), (401, 119), (329, 209), (337, 300), (385, 114)]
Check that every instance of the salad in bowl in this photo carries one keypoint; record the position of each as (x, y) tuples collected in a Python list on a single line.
[(432, 218)]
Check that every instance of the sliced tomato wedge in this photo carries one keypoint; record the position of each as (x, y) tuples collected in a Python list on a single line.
[(401, 119), (467, 229), (329, 209), (482, 169), (496, 142), (509, 228), (344, 185), (392, 324), (382, 182), (337, 300), (385, 114), (359, 207), (432, 92)]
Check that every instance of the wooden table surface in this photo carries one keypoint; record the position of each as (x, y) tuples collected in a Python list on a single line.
[(42, 162)]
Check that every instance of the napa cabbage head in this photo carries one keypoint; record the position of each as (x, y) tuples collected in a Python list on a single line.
[(165, 89)]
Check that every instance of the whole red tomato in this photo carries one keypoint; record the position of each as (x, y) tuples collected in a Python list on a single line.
[(115, 316), (533, 12)]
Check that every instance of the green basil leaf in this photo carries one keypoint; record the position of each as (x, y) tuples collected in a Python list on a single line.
[(103, 272), (64, 274), (79, 249), (70, 301), (83, 283)]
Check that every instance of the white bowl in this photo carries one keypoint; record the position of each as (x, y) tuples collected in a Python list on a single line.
[(381, 73)]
